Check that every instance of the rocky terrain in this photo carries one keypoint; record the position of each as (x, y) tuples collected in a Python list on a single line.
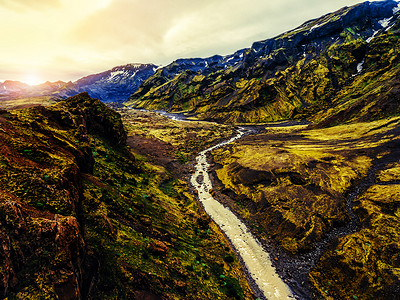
[(336, 68), (115, 85), (322, 197), (83, 217)]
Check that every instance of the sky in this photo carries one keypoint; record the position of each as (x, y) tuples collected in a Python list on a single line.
[(50, 40)]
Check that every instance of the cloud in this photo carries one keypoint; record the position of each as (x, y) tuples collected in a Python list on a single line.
[(156, 31), (89, 36), (21, 5), (160, 31)]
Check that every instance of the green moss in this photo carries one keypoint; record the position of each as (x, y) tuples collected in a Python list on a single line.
[(124, 206)]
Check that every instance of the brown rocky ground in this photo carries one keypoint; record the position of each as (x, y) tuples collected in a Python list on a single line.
[(168, 142)]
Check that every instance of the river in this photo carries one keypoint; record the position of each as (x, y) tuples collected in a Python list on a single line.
[(255, 258)]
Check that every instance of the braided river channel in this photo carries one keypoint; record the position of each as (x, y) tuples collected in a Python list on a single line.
[(255, 259)]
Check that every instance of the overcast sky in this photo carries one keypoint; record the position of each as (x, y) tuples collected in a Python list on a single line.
[(67, 39)]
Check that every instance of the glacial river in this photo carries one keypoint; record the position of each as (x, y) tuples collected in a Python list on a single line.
[(255, 258)]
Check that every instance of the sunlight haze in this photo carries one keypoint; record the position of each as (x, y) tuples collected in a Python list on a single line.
[(65, 40)]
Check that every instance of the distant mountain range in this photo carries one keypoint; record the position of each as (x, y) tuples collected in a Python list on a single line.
[(114, 85), (342, 66)]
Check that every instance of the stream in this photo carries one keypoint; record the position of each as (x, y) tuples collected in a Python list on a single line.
[(255, 259)]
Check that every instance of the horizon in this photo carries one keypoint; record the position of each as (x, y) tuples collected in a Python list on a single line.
[(68, 40)]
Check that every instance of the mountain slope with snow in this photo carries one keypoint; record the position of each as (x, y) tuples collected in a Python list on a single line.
[(312, 69), (114, 85)]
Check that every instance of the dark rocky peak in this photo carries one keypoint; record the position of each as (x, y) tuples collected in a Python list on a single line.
[(360, 20), (128, 70), (114, 85), (205, 66), (133, 66), (190, 64)]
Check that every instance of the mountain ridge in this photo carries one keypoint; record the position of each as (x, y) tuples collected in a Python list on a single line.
[(114, 85), (293, 75), (299, 74)]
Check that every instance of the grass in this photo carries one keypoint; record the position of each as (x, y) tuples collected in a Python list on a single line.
[(121, 207)]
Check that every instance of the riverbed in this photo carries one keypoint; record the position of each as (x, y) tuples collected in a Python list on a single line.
[(255, 259)]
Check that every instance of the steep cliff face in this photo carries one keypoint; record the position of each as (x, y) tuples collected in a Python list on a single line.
[(81, 218), (313, 68), (44, 152)]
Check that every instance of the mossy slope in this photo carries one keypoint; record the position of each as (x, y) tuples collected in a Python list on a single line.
[(82, 218), (297, 185)]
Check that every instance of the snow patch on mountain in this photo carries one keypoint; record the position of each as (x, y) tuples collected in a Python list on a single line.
[(397, 8), (372, 36), (115, 73), (360, 66), (229, 59), (385, 22), (316, 26)]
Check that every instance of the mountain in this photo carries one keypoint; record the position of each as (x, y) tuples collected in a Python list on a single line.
[(114, 85), (10, 86), (326, 70)]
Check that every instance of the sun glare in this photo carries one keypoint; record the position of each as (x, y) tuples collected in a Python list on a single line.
[(32, 79)]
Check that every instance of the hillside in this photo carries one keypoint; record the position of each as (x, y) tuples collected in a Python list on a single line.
[(82, 217), (340, 67), (325, 202)]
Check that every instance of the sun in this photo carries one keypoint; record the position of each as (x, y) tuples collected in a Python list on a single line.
[(32, 79)]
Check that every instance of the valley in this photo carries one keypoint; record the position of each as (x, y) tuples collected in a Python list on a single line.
[(84, 216), (269, 173), (305, 193), (322, 201)]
